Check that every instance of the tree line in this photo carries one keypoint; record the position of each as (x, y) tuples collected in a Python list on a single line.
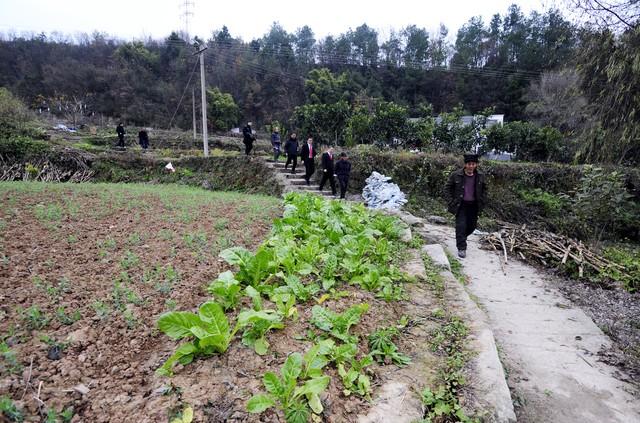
[(527, 67)]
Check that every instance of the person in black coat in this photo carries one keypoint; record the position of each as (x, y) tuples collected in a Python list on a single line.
[(328, 171), (466, 194), (308, 156), (120, 131), (343, 170), (248, 138), (143, 139), (291, 148)]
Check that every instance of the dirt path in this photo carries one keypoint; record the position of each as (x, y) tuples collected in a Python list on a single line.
[(548, 345)]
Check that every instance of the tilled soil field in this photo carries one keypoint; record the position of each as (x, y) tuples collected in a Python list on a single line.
[(85, 272)]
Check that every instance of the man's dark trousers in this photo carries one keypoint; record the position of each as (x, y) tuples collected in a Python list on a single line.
[(343, 180), (309, 167), (332, 181), (292, 158), (466, 222)]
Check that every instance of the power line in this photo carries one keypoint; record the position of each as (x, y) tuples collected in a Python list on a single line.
[(183, 93)]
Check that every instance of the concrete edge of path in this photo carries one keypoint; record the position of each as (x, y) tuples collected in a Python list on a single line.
[(488, 383)]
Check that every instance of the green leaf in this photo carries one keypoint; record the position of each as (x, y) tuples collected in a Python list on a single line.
[(178, 324), (255, 296), (259, 403), (314, 403), (261, 346), (315, 385), (236, 255), (272, 384), (322, 317), (187, 350), (292, 368), (442, 408), (187, 415), (213, 314)]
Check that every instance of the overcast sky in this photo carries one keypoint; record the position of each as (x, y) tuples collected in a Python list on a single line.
[(127, 19)]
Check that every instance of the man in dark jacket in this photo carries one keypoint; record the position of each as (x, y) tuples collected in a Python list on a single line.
[(291, 148), (327, 170), (120, 131), (143, 139), (343, 170), (248, 138), (466, 194), (308, 156)]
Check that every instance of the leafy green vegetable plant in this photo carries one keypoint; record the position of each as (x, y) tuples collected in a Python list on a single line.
[(209, 328), (257, 324), (226, 290), (295, 400), (338, 324)]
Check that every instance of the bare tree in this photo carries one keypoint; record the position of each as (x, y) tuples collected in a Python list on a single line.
[(614, 14)]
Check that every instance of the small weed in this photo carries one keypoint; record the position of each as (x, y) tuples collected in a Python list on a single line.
[(130, 319), (64, 416), (49, 213), (456, 269), (121, 296), (107, 243), (129, 260), (10, 363), (102, 309), (135, 239), (166, 235), (9, 410), (169, 279), (221, 224), (72, 239), (170, 304), (196, 241), (34, 318), (382, 348), (67, 319)]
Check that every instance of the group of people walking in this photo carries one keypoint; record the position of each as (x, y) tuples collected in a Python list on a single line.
[(331, 169), (143, 137), (465, 190)]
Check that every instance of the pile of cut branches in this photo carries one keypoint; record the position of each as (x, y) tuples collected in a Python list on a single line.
[(546, 248)]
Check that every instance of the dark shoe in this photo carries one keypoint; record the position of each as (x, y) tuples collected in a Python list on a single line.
[(462, 253)]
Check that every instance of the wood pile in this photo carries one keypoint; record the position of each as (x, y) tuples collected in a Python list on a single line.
[(545, 248), (44, 171)]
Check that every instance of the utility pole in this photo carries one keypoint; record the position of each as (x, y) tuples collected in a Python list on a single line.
[(205, 140), (193, 103)]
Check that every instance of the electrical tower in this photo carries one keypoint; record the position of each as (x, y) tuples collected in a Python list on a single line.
[(186, 6)]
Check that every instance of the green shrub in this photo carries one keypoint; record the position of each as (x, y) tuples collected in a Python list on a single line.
[(630, 260)]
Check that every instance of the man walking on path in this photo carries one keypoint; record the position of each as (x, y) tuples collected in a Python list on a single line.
[(327, 170), (275, 142), (120, 131), (143, 139), (466, 194), (291, 148), (308, 155), (248, 139), (343, 170)]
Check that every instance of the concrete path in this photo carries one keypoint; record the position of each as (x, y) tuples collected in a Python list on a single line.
[(549, 347)]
